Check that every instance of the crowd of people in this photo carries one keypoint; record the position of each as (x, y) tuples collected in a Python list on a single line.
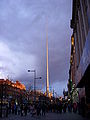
[(40, 108)]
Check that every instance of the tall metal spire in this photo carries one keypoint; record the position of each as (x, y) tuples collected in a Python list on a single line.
[(47, 79)]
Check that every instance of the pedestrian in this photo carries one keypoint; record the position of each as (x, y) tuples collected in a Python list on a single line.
[(74, 107), (69, 107), (18, 109), (64, 108), (21, 108), (9, 108), (38, 109), (33, 110), (15, 109), (7, 111), (25, 109), (60, 107), (12, 108), (43, 108)]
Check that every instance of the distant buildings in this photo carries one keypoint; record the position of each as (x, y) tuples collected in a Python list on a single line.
[(11, 91), (79, 73), (15, 92)]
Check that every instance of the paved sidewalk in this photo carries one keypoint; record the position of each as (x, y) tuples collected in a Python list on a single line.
[(49, 116)]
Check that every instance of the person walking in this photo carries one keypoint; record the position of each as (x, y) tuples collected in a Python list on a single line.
[(43, 109), (25, 109)]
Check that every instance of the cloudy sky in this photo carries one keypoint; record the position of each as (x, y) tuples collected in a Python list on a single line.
[(23, 41)]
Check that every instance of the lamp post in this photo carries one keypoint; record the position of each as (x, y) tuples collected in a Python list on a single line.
[(35, 85), (34, 82), (34, 71)]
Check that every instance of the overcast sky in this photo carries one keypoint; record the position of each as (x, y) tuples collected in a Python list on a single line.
[(23, 41)]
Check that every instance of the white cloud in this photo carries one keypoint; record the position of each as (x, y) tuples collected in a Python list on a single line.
[(14, 63)]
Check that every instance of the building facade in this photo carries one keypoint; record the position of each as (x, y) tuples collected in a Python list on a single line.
[(11, 92), (79, 72)]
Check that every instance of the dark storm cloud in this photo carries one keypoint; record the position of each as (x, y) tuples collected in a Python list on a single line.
[(23, 39)]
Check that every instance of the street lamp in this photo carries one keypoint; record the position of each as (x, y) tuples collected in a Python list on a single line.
[(34, 82), (34, 76)]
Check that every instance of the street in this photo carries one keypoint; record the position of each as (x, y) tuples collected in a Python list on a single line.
[(48, 116), (44, 59)]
